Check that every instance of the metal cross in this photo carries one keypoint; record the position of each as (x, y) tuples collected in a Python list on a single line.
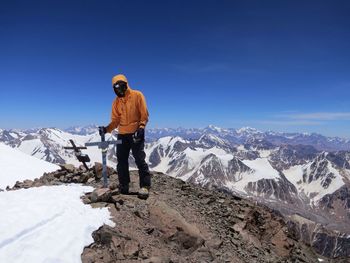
[(83, 158), (103, 145)]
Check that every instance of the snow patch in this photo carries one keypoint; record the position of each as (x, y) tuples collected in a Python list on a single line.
[(47, 224), (262, 169)]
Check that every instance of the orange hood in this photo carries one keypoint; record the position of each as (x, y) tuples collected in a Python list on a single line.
[(120, 77)]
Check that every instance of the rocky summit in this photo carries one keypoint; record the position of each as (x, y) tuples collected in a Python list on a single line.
[(181, 222)]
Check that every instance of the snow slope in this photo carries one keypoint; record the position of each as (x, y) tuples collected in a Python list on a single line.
[(314, 190), (47, 224), (262, 170), (18, 166)]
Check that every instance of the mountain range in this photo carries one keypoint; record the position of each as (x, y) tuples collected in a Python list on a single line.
[(304, 176)]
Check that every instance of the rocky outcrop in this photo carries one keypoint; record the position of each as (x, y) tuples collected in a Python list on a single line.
[(180, 222), (337, 206), (331, 244), (213, 173), (279, 189), (319, 168), (340, 198), (258, 144), (287, 156)]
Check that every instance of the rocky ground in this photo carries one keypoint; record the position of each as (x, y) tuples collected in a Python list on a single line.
[(180, 222)]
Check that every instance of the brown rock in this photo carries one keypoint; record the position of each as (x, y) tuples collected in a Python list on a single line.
[(98, 170), (130, 248), (174, 226), (59, 174), (84, 177), (88, 256), (68, 167), (103, 235), (85, 199), (116, 199), (99, 205), (90, 180), (27, 183), (100, 195), (116, 242), (113, 186)]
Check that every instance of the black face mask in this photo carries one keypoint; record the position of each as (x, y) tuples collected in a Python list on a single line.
[(120, 88)]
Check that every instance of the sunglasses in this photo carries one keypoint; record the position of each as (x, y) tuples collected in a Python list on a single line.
[(119, 85)]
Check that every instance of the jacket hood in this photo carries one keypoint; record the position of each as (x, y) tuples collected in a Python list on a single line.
[(119, 77)]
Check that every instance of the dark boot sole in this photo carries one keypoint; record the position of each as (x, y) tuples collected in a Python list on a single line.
[(143, 197)]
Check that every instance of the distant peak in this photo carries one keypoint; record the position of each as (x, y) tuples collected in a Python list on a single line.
[(214, 128), (247, 130)]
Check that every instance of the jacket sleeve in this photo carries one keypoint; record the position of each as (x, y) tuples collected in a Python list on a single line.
[(115, 118), (143, 111)]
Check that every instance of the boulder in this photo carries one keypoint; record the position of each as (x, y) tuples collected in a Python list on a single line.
[(98, 170), (25, 184), (59, 174), (68, 167), (84, 177), (90, 180), (100, 195)]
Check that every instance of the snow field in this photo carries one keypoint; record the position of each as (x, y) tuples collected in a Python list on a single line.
[(47, 224)]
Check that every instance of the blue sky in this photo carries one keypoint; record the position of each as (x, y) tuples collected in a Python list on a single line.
[(273, 65)]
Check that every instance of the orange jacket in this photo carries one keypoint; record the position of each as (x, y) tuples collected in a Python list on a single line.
[(129, 112)]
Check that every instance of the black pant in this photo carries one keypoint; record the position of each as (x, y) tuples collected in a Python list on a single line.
[(138, 152)]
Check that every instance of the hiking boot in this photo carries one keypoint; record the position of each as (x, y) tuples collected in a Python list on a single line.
[(124, 190), (143, 193)]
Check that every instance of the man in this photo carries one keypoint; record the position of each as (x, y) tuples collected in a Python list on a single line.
[(130, 116)]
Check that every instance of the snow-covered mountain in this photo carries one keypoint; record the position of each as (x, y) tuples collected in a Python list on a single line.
[(292, 173), (298, 180), (247, 135), (282, 170), (82, 130), (278, 173)]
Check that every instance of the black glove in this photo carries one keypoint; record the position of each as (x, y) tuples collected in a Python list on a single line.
[(139, 135), (102, 130)]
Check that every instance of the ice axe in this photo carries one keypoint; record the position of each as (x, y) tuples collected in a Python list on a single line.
[(103, 145)]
